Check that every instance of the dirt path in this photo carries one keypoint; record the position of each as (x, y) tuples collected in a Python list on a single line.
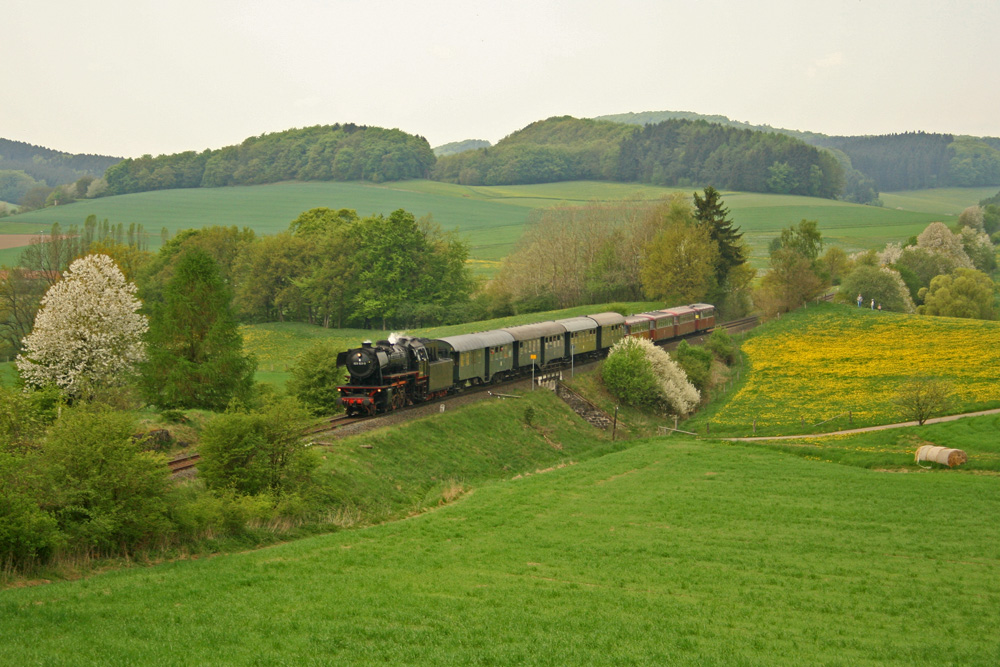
[(935, 420)]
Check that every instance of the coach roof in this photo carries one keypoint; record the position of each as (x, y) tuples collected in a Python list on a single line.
[(533, 331), (477, 341), (577, 323), (608, 319)]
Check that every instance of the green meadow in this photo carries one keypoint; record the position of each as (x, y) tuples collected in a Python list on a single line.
[(673, 551), (492, 219), (531, 538)]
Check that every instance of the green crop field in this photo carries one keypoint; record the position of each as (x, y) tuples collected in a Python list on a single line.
[(940, 201), (671, 552), (492, 219)]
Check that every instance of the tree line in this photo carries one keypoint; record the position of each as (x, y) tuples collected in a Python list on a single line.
[(677, 250), (331, 268), (321, 153)]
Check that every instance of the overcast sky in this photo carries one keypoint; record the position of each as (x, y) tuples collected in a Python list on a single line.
[(128, 77)]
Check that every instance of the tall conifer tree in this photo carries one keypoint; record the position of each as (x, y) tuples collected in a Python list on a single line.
[(713, 216)]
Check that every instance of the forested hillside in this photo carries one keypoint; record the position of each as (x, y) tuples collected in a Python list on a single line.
[(558, 149), (682, 152), (460, 147), (906, 161), (319, 153), (51, 166)]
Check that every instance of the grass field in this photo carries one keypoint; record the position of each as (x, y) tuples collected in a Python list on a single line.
[(830, 367), (670, 552), (492, 219)]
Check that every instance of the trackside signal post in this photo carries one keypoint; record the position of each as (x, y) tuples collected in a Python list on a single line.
[(533, 357)]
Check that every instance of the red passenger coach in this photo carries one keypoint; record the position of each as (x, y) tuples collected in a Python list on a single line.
[(704, 314), (639, 326), (685, 318), (663, 327)]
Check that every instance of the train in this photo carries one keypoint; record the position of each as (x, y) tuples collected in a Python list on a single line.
[(404, 370)]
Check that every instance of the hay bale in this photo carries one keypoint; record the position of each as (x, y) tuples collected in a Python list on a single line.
[(943, 455)]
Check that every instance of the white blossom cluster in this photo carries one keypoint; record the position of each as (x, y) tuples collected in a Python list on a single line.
[(677, 393), (891, 254), (937, 238), (88, 330)]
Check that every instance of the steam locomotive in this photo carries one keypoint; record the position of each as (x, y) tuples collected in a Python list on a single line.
[(403, 370)]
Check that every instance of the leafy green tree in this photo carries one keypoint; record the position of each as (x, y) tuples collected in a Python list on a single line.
[(28, 534), (964, 293), (679, 264), (14, 185), (268, 275), (696, 362), (921, 398), (258, 451), (107, 494), (196, 357), (882, 284), (315, 378), (329, 281), (20, 297), (792, 281), (805, 239)]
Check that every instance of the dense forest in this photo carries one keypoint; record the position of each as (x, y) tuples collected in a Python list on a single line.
[(673, 152), (320, 153), (50, 166), (683, 152), (905, 161)]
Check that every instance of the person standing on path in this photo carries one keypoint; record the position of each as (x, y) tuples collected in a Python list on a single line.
[(859, 300), (873, 304)]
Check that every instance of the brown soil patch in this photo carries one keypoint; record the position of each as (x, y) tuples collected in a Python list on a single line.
[(16, 240)]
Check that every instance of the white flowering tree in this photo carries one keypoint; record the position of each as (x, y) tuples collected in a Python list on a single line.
[(88, 332), (642, 374)]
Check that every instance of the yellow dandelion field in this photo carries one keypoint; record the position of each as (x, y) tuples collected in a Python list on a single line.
[(837, 360)]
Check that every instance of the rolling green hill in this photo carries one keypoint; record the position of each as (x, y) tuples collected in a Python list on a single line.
[(492, 219)]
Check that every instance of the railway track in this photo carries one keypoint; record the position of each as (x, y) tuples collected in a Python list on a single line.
[(183, 463)]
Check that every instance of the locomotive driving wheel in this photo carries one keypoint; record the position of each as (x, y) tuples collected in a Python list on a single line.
[(398, 399)]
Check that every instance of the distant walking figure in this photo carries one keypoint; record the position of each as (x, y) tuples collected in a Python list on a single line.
[(880, 308), (873, 304), (859, 300)]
